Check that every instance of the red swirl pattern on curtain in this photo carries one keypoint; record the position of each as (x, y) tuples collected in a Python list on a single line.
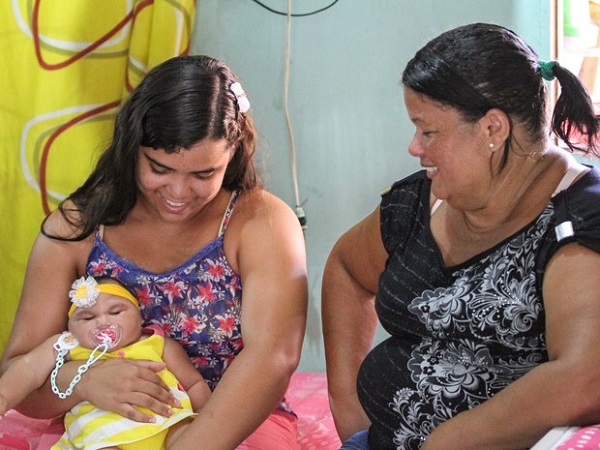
[(69, 64)]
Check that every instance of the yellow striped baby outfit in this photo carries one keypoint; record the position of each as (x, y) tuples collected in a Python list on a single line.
[(88, 427)]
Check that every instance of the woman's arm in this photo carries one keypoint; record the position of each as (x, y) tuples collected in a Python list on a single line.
[(265, 246), (42, 312), (563, 391), (350, 281), (178, 362)]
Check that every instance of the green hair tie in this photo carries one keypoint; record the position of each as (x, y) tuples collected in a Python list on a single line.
[(547, 69)]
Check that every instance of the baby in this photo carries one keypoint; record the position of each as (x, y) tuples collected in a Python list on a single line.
[(105, 322)]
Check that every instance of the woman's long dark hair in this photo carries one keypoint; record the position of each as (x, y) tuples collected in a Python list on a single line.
[(480, 66), (179, 103)]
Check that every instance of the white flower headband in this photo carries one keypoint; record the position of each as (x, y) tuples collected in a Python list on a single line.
[(240, 96), (84, 292)]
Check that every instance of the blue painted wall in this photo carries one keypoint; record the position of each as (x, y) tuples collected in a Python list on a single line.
[(350, 128)]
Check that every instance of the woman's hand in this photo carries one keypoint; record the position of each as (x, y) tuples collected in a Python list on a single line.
[(123, 386)]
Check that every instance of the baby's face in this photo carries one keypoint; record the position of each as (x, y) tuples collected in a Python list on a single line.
[(111, 316)]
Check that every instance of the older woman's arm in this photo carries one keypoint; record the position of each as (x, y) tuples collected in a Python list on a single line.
[(563, 391), (350, 282)]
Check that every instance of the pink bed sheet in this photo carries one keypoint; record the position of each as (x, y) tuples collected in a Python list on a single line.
[(307, 395)]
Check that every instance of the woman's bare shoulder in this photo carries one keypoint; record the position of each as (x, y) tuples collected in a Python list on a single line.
[(259, 204), (261, 220)]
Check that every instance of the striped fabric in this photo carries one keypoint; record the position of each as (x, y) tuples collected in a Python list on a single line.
[(91, 428)]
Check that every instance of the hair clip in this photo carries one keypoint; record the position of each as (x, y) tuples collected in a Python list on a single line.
[(84, 292), (240, 96)]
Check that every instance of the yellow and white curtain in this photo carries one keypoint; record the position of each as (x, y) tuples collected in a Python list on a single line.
[(65, 67)]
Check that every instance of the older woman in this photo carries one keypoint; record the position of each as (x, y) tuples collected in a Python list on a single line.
[(478, 265)]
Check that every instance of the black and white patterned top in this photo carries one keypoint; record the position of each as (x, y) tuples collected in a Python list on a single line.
[(459, 334)]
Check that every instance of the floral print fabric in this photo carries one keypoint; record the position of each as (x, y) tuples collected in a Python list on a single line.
[(198, 303), (458, 334)]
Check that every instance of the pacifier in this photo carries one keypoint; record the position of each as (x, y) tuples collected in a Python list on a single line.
[(106, 335)]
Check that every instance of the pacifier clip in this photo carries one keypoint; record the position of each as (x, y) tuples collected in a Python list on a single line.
[(63, 345)]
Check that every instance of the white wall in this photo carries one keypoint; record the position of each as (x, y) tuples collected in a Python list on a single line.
[(350, 128)]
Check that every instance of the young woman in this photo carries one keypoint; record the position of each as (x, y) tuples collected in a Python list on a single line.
[(174, 210)]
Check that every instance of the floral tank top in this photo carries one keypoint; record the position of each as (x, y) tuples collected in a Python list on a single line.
[(198, 303)]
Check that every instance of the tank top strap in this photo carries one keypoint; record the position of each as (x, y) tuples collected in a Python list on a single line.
[(435, 206), (232, 200)]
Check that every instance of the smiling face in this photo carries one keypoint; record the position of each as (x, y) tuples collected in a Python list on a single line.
[(111, 316), (454, 152), (178, 185)]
